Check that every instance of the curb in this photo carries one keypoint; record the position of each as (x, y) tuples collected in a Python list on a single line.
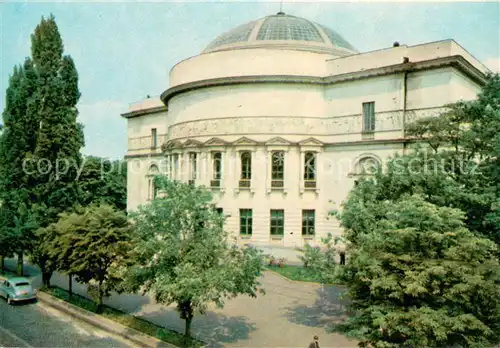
[(105, 324)]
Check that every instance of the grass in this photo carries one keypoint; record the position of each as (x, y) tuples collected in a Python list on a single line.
[(298, 273), (123, 318)]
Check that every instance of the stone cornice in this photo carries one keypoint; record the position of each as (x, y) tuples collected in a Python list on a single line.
[(144, 155), (177, 145), (297, 143), (456, 61), (141, 112)]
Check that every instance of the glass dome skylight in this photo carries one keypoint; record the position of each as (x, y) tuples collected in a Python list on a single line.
[(282, 31)]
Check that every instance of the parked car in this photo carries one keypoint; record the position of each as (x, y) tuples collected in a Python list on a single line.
[(16, 289)]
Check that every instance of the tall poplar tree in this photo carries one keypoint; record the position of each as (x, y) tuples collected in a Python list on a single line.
[(56, 156), (59, 137), (16, 220)]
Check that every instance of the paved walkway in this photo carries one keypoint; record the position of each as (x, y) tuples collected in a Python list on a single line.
[(289, 315), (290, 254)]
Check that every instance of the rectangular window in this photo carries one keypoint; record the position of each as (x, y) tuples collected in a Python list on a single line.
[(278, 165), (369, 117), (193, 165), (217, 165), (154, 138), (310, 166), (277, 225), (246, 221), (308, 222), (246, 165)]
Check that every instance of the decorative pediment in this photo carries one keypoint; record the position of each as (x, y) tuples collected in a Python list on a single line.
[(245, 141), (192, 143), (310, 142), (277, 141), (171, 144), (215, 142)]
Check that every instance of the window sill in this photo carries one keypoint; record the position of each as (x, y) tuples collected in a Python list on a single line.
[(283, 190), (367, 135), (238, 189), (216, 185), (309, 237), (309, 189), (245, 236), (276, 237)]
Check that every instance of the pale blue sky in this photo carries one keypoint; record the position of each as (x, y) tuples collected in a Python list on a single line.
[(124, 50)]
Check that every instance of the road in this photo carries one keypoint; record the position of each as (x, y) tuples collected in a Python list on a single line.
[(37, 325)]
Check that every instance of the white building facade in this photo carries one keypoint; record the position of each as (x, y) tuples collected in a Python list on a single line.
[(279, 116)]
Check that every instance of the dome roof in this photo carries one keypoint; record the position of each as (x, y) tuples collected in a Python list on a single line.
[(283, 31)]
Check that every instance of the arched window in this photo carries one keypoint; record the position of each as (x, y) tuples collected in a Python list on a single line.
[(246, 166), (368, 166), (217, 165), (310, 166), (153, 170), (152, 187)]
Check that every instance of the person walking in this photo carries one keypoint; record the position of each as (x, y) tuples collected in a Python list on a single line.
[(315, 343)]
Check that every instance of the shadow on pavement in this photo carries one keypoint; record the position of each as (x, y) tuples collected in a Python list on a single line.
[(215, 329), (328, 309)]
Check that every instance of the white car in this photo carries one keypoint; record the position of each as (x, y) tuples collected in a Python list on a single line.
[(17, 289)]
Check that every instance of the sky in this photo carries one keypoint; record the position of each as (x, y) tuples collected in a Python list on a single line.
[(124, 50)]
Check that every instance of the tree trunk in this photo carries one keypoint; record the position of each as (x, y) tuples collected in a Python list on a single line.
[(70, 285), (187, 326), (2, 264), (20, 269), (99, 297), (46, 275), (342, 258), (186, 310)]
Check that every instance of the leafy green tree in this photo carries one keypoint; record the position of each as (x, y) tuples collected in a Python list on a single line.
[(417, 277), (103, 181), (59, 137), (14, 144), (183, 253), (6, 240), (47, 237), (462, 169), (94, 244), (323, 261)]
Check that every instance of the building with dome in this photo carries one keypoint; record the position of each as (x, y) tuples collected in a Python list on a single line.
[(279, 117)]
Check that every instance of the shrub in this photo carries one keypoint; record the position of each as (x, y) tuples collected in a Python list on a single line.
[(311, 256), (281, 262), (272, 261)]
